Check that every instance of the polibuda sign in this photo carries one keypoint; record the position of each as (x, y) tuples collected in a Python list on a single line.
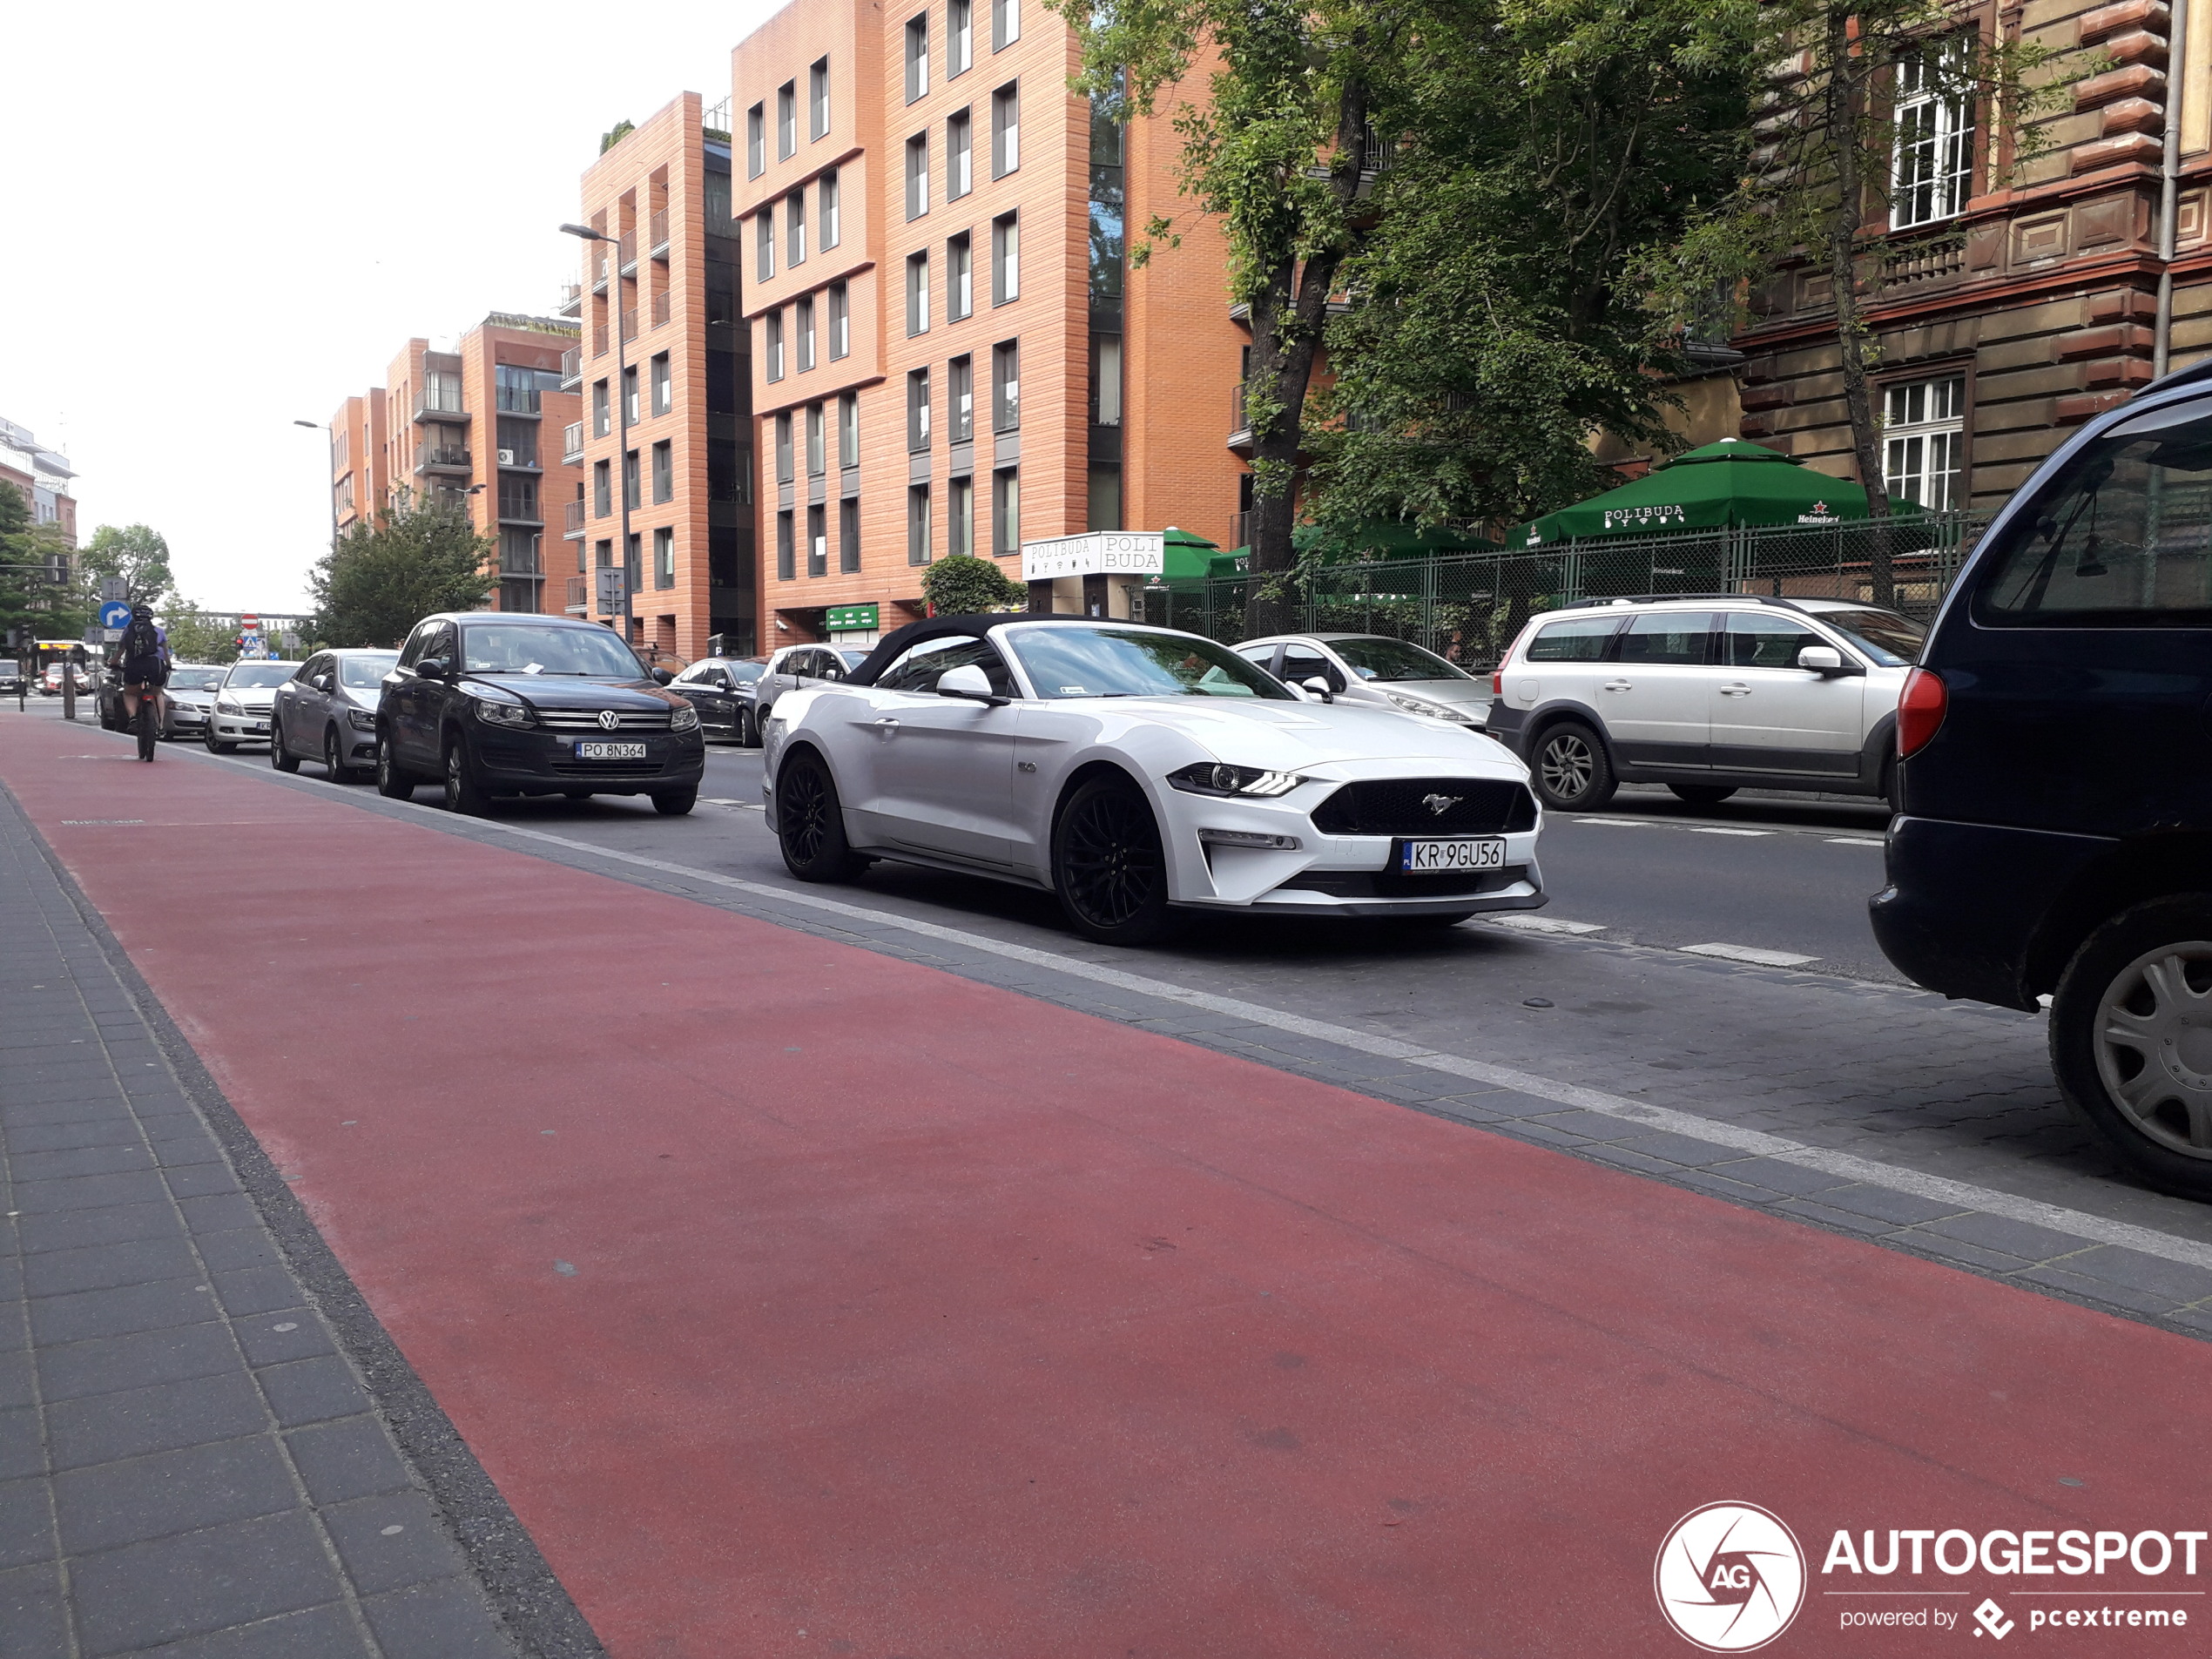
[(1099, 553)]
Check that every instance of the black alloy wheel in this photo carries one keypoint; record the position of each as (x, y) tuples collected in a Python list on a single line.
[(1703, 795), (1109, 867), (810, 822), (464, 795), (394, 781), (674, 803), (213, 748), (282, 759), (1572, 772), (334, 757)]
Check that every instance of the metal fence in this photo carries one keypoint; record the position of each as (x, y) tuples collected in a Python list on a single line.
[(1468, 606)]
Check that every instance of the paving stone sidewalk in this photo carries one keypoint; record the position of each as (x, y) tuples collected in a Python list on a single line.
[(190, 1461)]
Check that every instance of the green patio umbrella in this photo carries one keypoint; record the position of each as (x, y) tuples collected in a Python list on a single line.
[(1721, 485), (1188, 557)]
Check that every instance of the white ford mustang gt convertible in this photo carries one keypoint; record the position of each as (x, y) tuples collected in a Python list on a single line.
[(1141, 774)]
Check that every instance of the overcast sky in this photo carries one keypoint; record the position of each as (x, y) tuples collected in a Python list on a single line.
[(228, 217)]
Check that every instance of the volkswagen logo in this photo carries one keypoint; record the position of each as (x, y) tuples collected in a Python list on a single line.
[(608, 719), (1440, 803)]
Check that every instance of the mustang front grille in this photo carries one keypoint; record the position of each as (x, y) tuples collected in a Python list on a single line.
[(1427, 806)]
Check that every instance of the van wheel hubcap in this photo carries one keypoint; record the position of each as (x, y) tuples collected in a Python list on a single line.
[(2154, 1045), (1565, 767)]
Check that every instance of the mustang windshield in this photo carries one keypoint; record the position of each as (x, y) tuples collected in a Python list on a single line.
[(1109, 662), (532, 648)]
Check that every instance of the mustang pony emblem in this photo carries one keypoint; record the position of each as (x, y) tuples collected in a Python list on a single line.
[(1440, 803)]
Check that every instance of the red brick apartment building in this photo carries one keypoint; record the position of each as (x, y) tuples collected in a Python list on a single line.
[(477, 425), (43, 475), (950, 352), (2008, 311), (663, 424)]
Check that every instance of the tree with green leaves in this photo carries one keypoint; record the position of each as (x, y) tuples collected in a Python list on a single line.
[(30, 553), (138, 555), (960, 584), (195, 636), (376, 583)]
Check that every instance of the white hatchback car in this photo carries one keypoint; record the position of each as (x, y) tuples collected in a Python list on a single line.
[(1706, 694), (1137, 771), (1374, 668)]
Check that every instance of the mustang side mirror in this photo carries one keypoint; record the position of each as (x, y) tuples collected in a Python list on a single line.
[(1319, 687), (970, 682), (661, 676), (432, 668), (1827, 661)]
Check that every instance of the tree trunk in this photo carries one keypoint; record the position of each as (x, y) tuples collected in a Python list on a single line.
[(1851, 328)]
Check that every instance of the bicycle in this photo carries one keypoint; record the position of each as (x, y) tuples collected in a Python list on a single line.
[(147, 721)]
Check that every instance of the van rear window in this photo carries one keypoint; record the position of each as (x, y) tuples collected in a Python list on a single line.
[(1582, 640), (2121, 537)]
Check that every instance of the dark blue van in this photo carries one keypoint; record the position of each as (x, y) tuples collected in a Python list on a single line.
[(2055, 834)]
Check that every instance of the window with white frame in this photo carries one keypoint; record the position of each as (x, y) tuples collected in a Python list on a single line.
[(763, 244), (841, 321), (775, 344), (786, 120), (848, 429), (817, 108), (917, 294), (960, 162), (1006, 131), (917, 175), (795, 228), (1932, 165), (1006, 24), (806, 310), (756, 141), (1924, 443), (1006, 260), (960, 278)]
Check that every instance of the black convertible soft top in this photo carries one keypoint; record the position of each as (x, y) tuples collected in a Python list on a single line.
[(896, 643)]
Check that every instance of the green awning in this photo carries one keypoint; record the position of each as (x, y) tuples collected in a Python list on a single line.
[(1720, 486)]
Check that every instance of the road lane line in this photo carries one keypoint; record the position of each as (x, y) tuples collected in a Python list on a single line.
[(1618, 823), (1856, 840), (1749, 953), (1544, 925), (1715, 829), (1751, 1142)]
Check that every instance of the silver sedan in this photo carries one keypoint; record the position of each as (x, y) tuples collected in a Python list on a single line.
[(1376, 668), (327, 712)]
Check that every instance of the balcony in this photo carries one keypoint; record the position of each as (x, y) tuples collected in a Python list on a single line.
[(441, 457), (441, 405), (519, 460), (517, 400), (657, 235), (572, 520), (572, 368), (714, 120), (579, 602), (628, 248), (572, 443), (630, 324), (661, 308), (518, 507), (598, 267), (571, 300)]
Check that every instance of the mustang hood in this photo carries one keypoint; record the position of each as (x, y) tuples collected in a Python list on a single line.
[(1287, 737)]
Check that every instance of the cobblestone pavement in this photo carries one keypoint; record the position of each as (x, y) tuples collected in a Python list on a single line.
[(190, 1462)]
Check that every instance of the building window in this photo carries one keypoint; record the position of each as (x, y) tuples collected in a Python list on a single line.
[(629, 492), (664, 558), (784, 571), (783, 447), (1006, 513), (917, 410), (1924, 443), (918, 57), (786, 120), (848, 536), (601, 415), (918, 524), (1006, 131), (960, 400), (775, 351), (665, 470), (815, 444), (917, 294), (756, 141), (601, 488), (960, 159), (1933, 161), (806, 309), (629, 397), (959, 517), (917, 175), (817, 542), (664, 398), (841, 321), (848, 430), (1006, 386), (517, 442), (959, 37), (1106, 380), (960, 278), (1006, 260), (763, 244), (1105, 503), (1006, 24), (795, 228), (818, 123), (518, 497)]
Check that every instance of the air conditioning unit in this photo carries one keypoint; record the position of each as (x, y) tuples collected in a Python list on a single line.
[(506, 457)]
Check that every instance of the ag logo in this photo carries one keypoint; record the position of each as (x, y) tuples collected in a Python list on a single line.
[(1729, 1577)]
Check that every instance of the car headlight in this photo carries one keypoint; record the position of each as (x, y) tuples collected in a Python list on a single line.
[(1217, 778), (502, 713), (229, 706), (1422, 705), (685, 719), (360, 719)]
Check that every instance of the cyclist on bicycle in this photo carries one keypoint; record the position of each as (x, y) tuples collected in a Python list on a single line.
[(141, 665)]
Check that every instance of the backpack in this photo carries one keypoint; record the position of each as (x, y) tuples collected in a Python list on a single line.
[(141, 654)]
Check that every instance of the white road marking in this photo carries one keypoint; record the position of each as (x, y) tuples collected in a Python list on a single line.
[(1752, 1143), (1714, 829), (1544, 925), (1617, 823), (1856, 840), (1750, 954)]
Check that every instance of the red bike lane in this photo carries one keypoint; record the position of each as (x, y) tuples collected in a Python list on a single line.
[(803, 1300)]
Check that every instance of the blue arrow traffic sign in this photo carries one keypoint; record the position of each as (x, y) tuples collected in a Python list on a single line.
[(116, 613)]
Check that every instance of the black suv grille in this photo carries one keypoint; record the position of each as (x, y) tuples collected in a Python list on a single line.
[(1400, 807)]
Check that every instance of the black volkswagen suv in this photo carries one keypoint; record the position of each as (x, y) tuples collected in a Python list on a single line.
[(497, 703), (2055, 837)]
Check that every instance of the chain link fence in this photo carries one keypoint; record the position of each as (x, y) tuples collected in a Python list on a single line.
[(1468, 606)]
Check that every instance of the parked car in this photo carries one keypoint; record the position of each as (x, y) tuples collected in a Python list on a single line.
[(1137, 772), (492, 702), (1375, 668), (50, 682), (721, 689), (14, 683), (789, 666), (2056, 835), (327, 712), (1705, 693), (242, 702), (188, 699)]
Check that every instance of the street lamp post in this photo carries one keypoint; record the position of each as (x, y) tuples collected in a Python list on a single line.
[(621, 401), (313, 426)]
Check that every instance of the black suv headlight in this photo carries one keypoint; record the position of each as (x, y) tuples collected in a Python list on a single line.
[(1217, 778), (684, 719), (502, 713)]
